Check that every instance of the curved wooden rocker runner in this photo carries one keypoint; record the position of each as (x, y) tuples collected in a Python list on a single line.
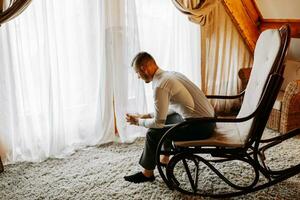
[(236, 139)]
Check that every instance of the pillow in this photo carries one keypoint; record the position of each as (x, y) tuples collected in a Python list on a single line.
[(291, 73)]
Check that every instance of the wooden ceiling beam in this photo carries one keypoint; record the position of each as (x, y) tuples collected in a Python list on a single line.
[(277, 23), (246, 18)]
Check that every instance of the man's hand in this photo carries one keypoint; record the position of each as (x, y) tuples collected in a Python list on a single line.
[(132, 119)]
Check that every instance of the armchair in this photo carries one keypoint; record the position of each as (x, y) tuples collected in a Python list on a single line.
[(285, 114)]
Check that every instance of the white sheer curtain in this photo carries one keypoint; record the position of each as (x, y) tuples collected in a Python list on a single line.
[(61, 63), (122, 44), (170, 38)]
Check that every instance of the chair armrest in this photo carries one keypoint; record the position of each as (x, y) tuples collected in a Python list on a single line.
[(244, 75), (226, 97), (290, 111)]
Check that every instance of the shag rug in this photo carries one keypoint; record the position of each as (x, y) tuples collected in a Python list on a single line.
[(97, 173)]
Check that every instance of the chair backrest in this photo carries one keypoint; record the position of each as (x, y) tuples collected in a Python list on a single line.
[(269, 54)]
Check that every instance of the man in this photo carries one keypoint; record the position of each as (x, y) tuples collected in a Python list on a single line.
[(185, 99)]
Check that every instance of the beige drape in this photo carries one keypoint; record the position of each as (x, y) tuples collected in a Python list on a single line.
[(197, 10), (223, 51), (9, 9)]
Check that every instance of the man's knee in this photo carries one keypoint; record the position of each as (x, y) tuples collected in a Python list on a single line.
[(151, 134)]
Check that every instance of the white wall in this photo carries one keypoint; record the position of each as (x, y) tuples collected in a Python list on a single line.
[(283, 9), (279, 9)]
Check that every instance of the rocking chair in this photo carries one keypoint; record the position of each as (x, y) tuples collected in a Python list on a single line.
[(239, 139)]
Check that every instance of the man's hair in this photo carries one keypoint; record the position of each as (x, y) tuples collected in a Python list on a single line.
[(141, 59)]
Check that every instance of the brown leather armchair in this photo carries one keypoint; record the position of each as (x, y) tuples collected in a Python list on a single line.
[(285, 114)]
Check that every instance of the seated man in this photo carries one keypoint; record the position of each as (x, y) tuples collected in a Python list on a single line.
[(186, 101)]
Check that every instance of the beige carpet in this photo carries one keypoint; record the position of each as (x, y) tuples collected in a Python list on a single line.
[(97, 173)]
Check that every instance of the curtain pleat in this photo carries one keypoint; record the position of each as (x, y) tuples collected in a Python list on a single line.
[(122, 44)]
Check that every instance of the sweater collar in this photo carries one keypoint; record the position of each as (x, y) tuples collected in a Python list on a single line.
[(156, 76)]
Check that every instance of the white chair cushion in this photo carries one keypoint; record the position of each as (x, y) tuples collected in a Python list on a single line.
[(225, 135), (266, 50)]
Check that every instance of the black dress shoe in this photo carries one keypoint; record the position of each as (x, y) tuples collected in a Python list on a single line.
[(139, 178)]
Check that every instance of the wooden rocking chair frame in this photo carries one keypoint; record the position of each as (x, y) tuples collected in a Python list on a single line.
[(253, 150)]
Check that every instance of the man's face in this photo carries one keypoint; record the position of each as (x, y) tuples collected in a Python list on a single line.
[(143, 74)]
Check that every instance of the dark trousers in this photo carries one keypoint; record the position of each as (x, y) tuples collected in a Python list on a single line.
[(189, 132)]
